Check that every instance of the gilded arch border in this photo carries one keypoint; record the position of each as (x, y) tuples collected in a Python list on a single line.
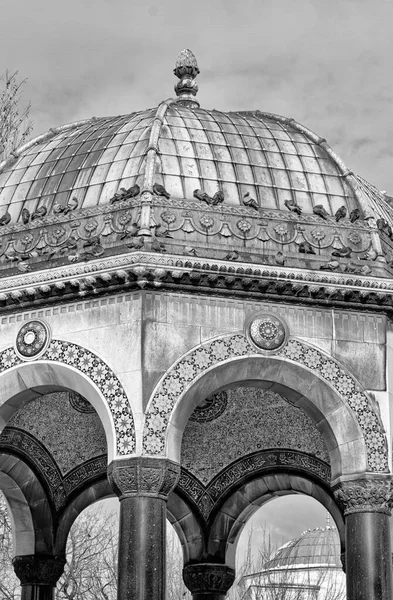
[(216, 351), (95, 369)]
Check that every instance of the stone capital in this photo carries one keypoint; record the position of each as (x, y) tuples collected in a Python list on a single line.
[(205, 578), (143, 476), (39, 569), (365, 495)]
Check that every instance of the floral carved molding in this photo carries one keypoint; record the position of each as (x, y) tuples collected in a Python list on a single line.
[(100, 374), (181, 376)]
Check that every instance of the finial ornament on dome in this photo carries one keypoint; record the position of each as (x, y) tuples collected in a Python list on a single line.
[(186, 69)]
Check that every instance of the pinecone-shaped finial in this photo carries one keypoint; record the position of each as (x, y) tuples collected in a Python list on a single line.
[(186, 70)]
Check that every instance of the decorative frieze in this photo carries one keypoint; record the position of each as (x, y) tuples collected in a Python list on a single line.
[(365, 495), (143, 476)]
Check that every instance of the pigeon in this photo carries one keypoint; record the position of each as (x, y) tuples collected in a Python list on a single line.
[(72, 204), (39, 213), (250, 202), (365, 270), (333, 265), (118, 197), (25, 214), (92, 241), (381, 224), (132, 192), (341, 213), (320, 211), (306, 248), (5, 219), (159, 190), (137, 244), (354, 215), (232, 255), (279, 259), (130, 232), (157, 246), (200, 195), (370, 255), (218, 198), (191, 251), (23, 267), (159, 233), (344, 252), (293, 207)]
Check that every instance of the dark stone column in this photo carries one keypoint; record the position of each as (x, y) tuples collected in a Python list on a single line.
[(143, 486), (208, 581), (367, 506), (38, 575)]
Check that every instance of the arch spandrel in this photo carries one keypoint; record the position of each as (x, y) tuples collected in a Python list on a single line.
[(67, 366), (318, 383)]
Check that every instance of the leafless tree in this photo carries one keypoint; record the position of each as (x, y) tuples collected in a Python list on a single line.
[(9, 583), (15, 123)]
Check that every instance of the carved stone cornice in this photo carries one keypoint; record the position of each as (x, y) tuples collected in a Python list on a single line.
[(149, 270), (365, 495), (205, 578), (36, 569), (143, 476)]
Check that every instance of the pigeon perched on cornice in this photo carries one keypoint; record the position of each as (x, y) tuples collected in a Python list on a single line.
[(320, 211), (306, 248), (250, 202), (132, 192), (354, 215), (344, 252), (159, 233), (39, 213), (232, 255), (25, 215), (200, 195), (293, 207), (159, 190), (341, 213), (137, 243), (157, 246), (218, 198), (333, 265), (370, 255), (279, 259), (5, 219)]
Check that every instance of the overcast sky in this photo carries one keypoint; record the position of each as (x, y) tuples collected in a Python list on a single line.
[(328, 64)]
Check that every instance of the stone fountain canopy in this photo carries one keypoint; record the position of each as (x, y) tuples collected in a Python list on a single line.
[(65, 192)]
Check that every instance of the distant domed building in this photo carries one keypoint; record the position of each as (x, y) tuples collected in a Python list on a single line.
[(195, 316), (308, 567)]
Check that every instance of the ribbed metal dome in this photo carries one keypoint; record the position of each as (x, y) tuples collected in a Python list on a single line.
[(272, 158), (320, 546)]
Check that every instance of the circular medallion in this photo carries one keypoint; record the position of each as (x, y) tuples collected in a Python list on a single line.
[(32, 339), (211, 408), (267, 332)]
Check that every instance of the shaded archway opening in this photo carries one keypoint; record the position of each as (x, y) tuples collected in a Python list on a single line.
[(23, 383), (331, 415), (29, 508), (290, 545)]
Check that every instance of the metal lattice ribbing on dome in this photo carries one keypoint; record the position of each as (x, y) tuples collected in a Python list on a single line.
[(186, 70)]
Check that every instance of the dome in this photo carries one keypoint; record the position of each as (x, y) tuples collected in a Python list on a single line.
[(284, 197), (315, 547)]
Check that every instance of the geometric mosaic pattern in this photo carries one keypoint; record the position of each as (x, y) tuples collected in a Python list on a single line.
[(210, 354), (99, 372)]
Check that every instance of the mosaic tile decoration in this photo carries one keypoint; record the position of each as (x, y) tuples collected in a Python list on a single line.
[(99, 372), (210, 354)]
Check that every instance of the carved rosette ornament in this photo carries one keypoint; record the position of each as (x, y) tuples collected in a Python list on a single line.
[(365, 495), (267, 332), (205, 578), (141, 476), (36, 569), (32, 340)]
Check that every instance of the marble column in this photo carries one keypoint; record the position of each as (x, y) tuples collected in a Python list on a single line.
[(143, 485), (366, 504), (38, 575), (208, 581)]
